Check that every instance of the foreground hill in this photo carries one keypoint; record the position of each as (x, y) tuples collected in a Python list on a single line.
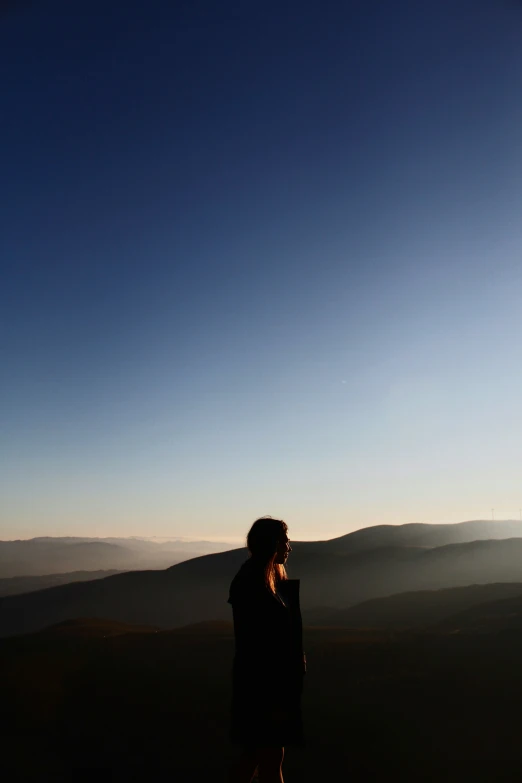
[(47, 556), (87, 627), (105, 702), (197, 589)]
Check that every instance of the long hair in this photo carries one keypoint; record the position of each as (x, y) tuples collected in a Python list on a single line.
[(262, 541)]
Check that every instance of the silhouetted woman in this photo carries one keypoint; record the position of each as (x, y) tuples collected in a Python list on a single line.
[(269, 663)]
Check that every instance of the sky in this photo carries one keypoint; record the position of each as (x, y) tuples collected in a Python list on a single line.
[(259, 258)]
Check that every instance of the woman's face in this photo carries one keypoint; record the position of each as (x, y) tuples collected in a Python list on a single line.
[(283, 550)]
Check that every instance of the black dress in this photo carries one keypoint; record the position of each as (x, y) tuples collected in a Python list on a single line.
[(269, 663)]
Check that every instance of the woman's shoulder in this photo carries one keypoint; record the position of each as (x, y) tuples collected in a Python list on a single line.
[(248, 582)]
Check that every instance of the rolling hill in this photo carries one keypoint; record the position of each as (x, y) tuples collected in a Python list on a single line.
[(420, 609), (16, 585), (197, 590)]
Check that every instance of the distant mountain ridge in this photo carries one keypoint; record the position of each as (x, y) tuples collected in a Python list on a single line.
[(337, 576), (427, 535), (48, 555)]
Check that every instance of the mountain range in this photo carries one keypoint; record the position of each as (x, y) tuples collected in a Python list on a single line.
[(335, 575)]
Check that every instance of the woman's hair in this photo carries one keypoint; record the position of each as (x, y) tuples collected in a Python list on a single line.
[(262, 541)]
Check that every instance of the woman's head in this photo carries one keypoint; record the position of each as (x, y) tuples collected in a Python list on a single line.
[(269, 546)]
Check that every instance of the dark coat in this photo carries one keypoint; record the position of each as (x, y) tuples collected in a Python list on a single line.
[(269, 663)]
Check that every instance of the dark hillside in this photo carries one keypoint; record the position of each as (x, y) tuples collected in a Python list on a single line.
[(16, 585), (420, 609), (492, 616), (133, 704)]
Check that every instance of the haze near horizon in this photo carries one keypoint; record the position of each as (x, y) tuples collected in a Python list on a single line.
[(259, 260)]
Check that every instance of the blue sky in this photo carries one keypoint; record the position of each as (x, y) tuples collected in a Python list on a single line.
[(259, 258)]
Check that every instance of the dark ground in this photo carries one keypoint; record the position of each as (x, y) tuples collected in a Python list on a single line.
[(80, 705)]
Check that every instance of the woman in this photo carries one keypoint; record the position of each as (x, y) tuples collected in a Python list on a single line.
[(269, 663)]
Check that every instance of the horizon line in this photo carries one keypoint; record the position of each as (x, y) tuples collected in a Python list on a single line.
[(241, 540)]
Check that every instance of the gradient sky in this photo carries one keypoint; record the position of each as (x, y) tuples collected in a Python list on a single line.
[(259, 257)]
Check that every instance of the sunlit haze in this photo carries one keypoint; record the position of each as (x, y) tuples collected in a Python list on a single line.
[(257, 260)]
